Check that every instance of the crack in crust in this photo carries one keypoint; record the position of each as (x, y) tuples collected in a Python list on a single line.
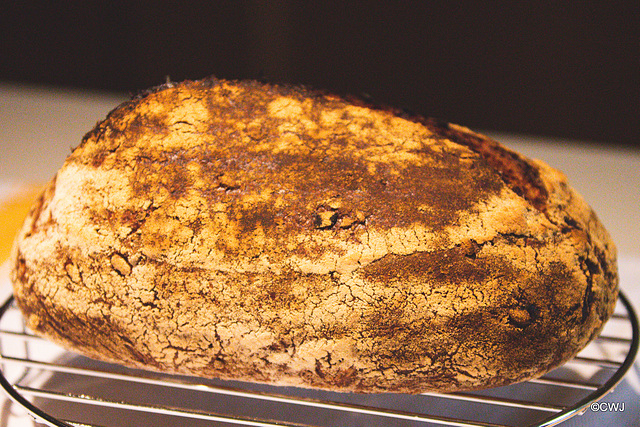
[(265, 233)]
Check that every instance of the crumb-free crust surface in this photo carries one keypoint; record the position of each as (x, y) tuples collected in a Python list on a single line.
[(273, 234)]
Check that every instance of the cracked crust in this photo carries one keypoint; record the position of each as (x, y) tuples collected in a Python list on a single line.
[(272, 234)]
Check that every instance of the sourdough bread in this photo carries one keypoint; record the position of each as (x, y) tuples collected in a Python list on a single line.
[(265, 233)]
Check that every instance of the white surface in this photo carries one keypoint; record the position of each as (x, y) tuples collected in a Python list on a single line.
[(38, 128)]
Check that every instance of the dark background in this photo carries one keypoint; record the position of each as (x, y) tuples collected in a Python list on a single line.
[(560, 68)]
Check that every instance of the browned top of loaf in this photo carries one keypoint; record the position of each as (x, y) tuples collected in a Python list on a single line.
[(251, 146)]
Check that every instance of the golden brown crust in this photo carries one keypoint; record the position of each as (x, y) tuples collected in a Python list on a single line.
[(273, 234)]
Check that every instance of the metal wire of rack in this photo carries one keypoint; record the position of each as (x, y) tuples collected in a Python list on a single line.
[(60, 389)]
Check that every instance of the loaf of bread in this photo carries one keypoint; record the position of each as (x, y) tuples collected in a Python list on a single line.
[(274, 234)]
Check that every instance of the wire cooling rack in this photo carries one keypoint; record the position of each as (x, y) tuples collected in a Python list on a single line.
[(58, 388)]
